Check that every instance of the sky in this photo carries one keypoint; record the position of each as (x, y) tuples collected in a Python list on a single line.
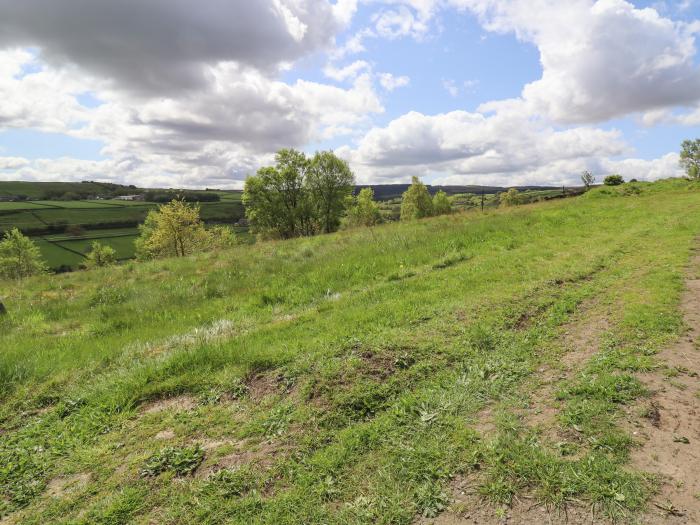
[(175, 93)]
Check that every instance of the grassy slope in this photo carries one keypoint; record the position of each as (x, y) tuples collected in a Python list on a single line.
[(345, 374)]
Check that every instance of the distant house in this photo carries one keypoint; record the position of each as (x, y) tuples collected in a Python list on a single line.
[(129, 198)]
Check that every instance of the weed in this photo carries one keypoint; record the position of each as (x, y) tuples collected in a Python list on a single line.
[(180, 461)]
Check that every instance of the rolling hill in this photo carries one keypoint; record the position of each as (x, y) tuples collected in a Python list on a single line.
[(467, 367)]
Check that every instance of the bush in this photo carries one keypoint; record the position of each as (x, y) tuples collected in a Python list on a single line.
[(100, 256), (19, 256), (613, 180), (511, 197), (363, 210), (441, 203)]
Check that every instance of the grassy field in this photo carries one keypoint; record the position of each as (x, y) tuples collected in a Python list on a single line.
[(60, 249), (104, 220), (350, 378), (37, 218)]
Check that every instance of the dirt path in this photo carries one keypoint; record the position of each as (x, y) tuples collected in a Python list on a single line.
[(671, 430), (581, 341), (667, 427)]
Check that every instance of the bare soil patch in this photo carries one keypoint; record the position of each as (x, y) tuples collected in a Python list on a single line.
[(265, 384), (178, 403), (263, 455), (165, 434), (59, 487)]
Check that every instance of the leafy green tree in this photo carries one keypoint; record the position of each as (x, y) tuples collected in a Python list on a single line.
[(329, 182), (690, 158), (298, 196), (275, 198), (588, 179), (441, 203), (511, 197), (100, 255), (416, 202), (363, 211), (613, 180), (19, 256), (173, 230)]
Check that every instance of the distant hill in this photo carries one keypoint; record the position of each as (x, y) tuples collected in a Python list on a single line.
[(55, 190)]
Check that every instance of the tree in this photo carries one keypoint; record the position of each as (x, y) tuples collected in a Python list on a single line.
[(173, 230), (100, 256), (416, 202), (298, 196), (275, 199), (588, 179), (363, 211), (690, 158), (441, 203), (329, 182), (511, 197), (19, 256), (221, 237), (613, 180)]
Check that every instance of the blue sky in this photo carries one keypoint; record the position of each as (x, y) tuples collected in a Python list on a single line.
[(454, 91)]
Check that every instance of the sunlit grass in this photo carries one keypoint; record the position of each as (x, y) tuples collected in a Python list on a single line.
[(348, 370)]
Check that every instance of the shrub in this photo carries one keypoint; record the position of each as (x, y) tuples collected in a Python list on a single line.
[(511, 197), (100, 256), (19, 256), (364, 211), (441, 203), (613, 180)]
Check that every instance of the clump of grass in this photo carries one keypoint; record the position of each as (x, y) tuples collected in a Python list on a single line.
[(180, 461), (231, 482)]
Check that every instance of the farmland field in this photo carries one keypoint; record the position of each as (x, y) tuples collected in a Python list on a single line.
[(471, 365), (24, 205), (101, 218)]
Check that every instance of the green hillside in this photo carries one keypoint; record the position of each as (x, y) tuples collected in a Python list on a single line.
[(366, 376), (46, 190)]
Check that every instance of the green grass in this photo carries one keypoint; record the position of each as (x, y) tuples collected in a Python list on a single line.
[(30, 217), (25, 205), (56, 256), (61, 250), (342, 378), (83, 204)]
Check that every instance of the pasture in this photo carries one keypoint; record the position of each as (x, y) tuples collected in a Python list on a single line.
[(478, 364), (102, 220)]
